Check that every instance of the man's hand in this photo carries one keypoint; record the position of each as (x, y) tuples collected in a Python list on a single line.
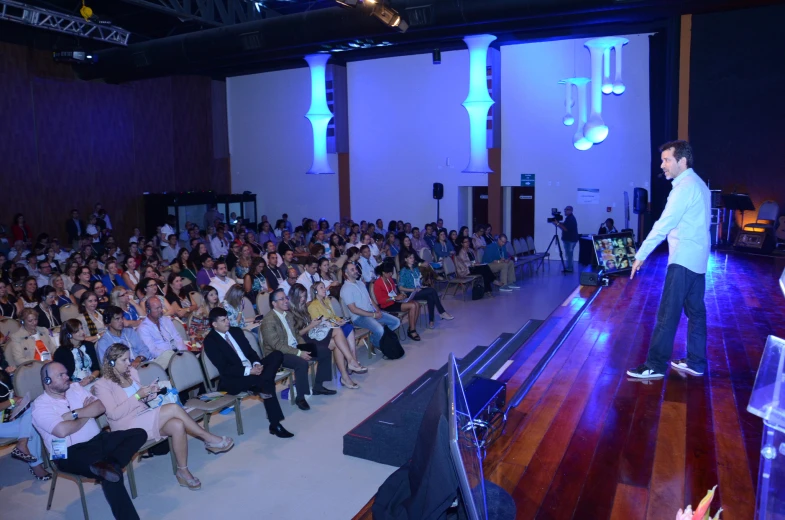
[(305, 355), (636, 266), (256, 370), (89, 399)]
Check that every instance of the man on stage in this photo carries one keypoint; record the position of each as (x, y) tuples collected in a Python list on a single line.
[(685, 221)]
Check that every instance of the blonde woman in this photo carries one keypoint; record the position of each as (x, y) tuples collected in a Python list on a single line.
[(62, 296), (30, 342), (233, 304), (132, 313), (321, 305), (125, 400)]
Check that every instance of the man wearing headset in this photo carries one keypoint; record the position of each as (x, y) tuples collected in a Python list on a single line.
[(65, 415), (117, 333)]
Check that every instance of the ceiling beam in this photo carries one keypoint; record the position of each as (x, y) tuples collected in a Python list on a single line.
[(53, 21), (209, 12)]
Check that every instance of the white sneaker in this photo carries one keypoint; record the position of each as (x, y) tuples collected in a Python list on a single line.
[(505, 288), (513, 286)]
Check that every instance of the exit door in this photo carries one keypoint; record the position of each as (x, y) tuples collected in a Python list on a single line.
[(479, 206), (522, 212)]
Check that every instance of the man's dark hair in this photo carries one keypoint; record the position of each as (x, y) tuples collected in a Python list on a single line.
[(311, 260), (415, 229), (216, 313), (111, 312), (388, 267), (219, 262), (681, 149), (205, 257), (272, 295)]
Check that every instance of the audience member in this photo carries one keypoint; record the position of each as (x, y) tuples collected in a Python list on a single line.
[(466, 263), (266, 234), (74, 228), (321, 305), (151, 288), (291, 279), (199, 324), (130, 274), (77, 354), (499, 261), (219, 245), (272, 273), (91, 319), (132, 313), (429, 237), (307, 279), (111, 277), (118, 332), (28, 444), (390, 300), (254, 281), (410, 281), (30, 342), (81, 282), (125, 401), (179, 296), (48, 313), (169, 251), (184, 266), (20, 230), (279, 333), (221, 281), (97, 287), (65, 416), (158, 333), (407, 248), (62, 296), (364, 313), (443, 247), (607, 227), (206, 273), (28, 297), (234, 305), (368, 264)]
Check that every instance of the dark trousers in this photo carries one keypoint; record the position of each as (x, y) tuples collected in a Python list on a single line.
[(265, 383), (114, 447), (683, 289), (487, 275), (430, 295), (320, 353)]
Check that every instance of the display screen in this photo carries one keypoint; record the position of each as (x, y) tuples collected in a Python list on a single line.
[(615, 251)]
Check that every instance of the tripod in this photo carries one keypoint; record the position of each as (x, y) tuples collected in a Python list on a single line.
[(558, 246)]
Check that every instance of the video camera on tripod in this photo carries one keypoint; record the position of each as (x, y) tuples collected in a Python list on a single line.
[(556, 216)]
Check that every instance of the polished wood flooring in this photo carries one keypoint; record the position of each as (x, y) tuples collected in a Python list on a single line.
[(589, 443)]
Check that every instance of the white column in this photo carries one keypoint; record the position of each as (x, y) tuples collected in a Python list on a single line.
[(478, 102), (319, 114)]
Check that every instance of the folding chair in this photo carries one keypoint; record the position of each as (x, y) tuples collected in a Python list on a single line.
[(248, 312), (9, 326), (455, 281), (56, 473), (185, 373), (263, 304), (361, 335), (27, 379), (69, 312)]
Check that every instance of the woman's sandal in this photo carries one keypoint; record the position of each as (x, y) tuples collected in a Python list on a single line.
[(226, 444), (353, 386), (20, 455), (359, 370), (191, 483), (46, 477), (413, 334)]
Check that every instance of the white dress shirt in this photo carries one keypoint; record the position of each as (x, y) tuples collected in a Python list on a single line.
[(167, 230), (285, 286), (162, 337), (219, 247), (368, 268), (221, 286), (289, 335), (307, 280), (247, 364), (685, 221)]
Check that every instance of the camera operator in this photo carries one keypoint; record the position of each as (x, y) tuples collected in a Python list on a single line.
[(569, 237)]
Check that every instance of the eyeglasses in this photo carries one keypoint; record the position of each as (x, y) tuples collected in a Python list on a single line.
[(285, 298), (151, 286)]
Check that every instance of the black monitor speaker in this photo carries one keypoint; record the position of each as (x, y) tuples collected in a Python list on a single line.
[(438, 190), (640, 201)]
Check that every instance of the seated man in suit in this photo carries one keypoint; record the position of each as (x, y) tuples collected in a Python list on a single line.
[(241, 369), (274, 275), (279, 334)]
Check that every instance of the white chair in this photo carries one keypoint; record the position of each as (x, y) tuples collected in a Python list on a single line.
[(263, 304), (69, 312), (247, 308), (27, 379), (426, 255), (178, 325), (9, 326)]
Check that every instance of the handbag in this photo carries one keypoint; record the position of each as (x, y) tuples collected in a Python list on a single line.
[(319, 332)]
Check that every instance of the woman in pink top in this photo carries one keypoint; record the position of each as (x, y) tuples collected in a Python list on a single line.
[(125, 400)]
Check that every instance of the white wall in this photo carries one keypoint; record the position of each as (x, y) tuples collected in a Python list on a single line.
[(271, 146), (534, 139), (406, 122)]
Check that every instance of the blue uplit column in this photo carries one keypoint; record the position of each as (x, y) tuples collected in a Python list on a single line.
[(478, 102), (319, 113)]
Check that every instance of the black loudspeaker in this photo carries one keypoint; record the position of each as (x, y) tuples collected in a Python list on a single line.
[(592, 275), (438, 190), (640, 203), (754, 242)]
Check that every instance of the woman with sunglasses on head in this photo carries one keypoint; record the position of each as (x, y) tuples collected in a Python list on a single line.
[(125, 400), (132, 313), (77, 354), (152, 288), (199, 324)]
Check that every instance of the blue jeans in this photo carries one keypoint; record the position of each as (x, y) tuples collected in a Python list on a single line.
[(683, 289), (22, 428), (569, 247), (377, 326)]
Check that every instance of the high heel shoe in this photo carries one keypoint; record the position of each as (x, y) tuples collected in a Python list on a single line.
[(358, 370), (353, 386), (226, 444), (46, 477), (191, 483), (20, 455)]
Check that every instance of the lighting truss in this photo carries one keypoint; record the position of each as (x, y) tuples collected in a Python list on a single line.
[(209, 12), (53, 21)]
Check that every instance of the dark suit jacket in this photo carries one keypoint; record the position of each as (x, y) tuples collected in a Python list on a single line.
[(227, 361), (70, 228), (272, 281)]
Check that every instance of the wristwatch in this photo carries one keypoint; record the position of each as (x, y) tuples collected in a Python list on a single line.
[(74, 415)]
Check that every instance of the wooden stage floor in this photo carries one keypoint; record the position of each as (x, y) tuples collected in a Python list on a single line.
[(588, 443)]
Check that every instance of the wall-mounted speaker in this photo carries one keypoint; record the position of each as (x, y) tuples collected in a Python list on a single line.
[(640, 202), (438, 190)]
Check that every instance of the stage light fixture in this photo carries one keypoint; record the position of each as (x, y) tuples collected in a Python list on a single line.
[(390, 17)]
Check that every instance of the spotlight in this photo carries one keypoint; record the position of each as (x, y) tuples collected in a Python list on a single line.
[(437, 56), (390, 17)]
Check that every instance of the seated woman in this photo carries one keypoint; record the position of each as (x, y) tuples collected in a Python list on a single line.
[(488, 236), (77, 354), (184, 266), (179, 297), (98, 287), (28, 296), (81, 282), (151, 288), (243, 264), (62, 296), (443, 247), (406, 248), (410, 280), (69, 274), (256, 247), (91, 319), (320, 306), (319, 331), (130, 275), (199, 324), (30, 342), (233, 303), (132, 313), (125, 400), (452, 236), (324, 274), (28, 444), (95, 272), (254, 282), (390, 300), (390, 249), (466, 263), (48, 313), (111, 278), (8, 308)]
